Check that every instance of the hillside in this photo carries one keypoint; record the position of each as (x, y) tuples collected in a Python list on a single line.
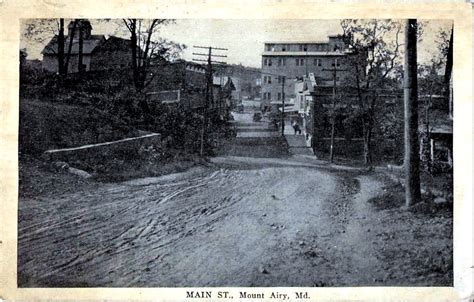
[(63, 125), (248, 78)]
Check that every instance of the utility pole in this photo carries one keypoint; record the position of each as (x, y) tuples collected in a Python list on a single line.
[(333, 117), (283, 106), (209, 86), (412, 156)]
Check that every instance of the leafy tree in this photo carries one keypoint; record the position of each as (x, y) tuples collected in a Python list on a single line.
[(375, 50)]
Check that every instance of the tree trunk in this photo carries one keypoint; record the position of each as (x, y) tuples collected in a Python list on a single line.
[(71, 38), (425, 152), (367, 147), (61, 49), (81, 46), (449, 61), (133, 44), (412, 156)]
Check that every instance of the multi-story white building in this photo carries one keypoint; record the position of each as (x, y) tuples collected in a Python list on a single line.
[(293, 60)]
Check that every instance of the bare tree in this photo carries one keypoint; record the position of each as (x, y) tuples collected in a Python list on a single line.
[(375, 50), (146, 48), (43, 31)]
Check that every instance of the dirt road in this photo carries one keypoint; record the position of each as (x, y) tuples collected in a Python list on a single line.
[(195, 228), (239, 222)]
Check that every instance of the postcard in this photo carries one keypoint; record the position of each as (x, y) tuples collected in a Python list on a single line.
[(248, 151)]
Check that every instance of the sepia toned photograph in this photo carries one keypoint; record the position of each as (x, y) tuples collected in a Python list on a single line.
[(235, 153)]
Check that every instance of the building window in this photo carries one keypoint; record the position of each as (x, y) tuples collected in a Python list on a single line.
[(267, 62), (267, 79), (266, 96), (303, 47), (336, 62), (284, 47), (270, 47), (279, 96), (299, 62), (317, 62), (281, 62)]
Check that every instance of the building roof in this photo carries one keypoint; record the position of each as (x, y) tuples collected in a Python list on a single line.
[(91, 45), (297, 42), (88, 45), (192, 66), (224, 81), (114, 43)]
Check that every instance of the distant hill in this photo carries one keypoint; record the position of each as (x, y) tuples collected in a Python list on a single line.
[(248, 78)]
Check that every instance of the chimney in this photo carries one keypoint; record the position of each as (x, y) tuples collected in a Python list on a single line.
[(83, 24)]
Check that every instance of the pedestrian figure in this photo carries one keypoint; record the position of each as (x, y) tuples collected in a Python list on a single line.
[(296, 127), (275, 123)]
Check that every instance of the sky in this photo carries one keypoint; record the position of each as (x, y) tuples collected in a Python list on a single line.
[(244, 38)]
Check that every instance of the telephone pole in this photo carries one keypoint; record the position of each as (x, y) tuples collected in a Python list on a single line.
[(333, 118), (412, 156), (209, 86)]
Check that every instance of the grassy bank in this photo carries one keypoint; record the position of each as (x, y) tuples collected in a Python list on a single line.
[(47, 125)]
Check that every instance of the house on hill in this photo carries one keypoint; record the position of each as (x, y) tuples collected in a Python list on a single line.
[(178, 82), (98, 51), (223, 99)]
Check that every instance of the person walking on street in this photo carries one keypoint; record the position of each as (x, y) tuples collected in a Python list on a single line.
[(296, 127)]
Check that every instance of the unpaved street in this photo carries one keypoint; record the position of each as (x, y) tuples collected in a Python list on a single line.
[(241, 221), (196, 228)]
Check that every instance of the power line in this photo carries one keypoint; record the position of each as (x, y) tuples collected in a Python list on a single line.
[(207, 47), (203, 54), (209, 84)]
